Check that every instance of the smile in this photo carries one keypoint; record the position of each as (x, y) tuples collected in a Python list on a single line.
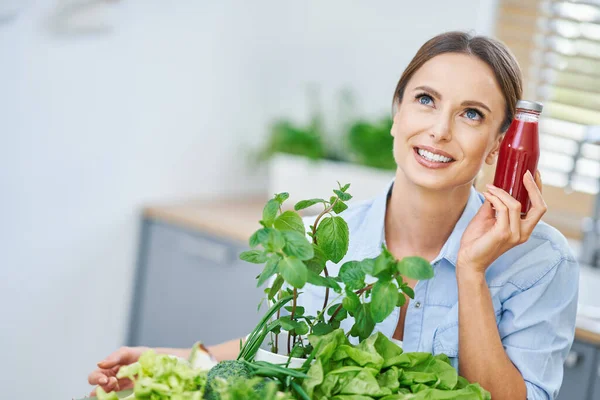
[(432, 159)]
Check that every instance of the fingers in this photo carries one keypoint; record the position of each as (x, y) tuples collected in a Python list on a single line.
[(538, 205), (98, 377), (514, 212), (502, 217), (538, 180), (123, 356)]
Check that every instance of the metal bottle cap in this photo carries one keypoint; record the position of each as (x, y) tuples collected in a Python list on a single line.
[(530, 105)]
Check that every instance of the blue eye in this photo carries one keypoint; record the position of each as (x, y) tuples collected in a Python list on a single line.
[(473, 114), (425, 99)]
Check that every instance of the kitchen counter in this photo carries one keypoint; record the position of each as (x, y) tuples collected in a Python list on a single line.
[(237, 219)]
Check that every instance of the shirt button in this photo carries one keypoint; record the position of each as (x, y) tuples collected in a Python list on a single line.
[(418, 304)]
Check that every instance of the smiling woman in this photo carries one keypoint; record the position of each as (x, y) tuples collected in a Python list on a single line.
[(502, 302)]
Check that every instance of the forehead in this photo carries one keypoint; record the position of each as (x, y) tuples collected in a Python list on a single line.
[(460, 77)]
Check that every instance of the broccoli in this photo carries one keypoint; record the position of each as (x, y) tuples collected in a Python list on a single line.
[(226, 370)]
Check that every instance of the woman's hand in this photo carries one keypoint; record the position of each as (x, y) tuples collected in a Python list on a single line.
[(106, 374), (498, 225)]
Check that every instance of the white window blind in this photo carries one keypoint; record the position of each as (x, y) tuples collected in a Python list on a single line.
[(557, 44)]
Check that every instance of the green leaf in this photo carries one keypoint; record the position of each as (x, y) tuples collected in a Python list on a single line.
[(275, 288), (301, 328), (368, 265), (332, 237), (342, 313), (321, 329), (352, 275), (345, 188), (254, 239), (270, 212), (415, 268), (297, 245), (317, 263), (281, 197), (364, 324), (351, 302), (339, 207), (383, 300), (318, 280), (408, 290), (333, 284), (401, 300), (299, 310), (289, 221), (269, 270), (254, 256), (273, 241), (342, 195), (287, 323), (293, 271), (302, 204)]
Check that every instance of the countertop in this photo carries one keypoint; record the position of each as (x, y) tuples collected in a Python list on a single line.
[(237, 219)]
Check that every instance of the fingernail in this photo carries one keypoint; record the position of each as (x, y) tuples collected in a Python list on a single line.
[(529, 173), (103, 381), (490, 187)]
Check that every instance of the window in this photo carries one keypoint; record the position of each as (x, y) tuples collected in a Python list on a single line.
[(557, 44)]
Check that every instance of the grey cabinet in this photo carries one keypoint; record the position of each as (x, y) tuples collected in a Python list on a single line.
[(580, 369), (191, 286), (596, 382)]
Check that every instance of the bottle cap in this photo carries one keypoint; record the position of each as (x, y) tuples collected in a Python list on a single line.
[(530, 105)]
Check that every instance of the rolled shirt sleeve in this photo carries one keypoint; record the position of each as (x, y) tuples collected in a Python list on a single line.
[(538, 328)]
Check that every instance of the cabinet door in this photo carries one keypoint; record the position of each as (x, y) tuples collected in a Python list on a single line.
[(192, 286), (596, 388), (579, 370)]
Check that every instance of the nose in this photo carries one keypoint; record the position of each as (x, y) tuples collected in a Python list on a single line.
[(442, 129)]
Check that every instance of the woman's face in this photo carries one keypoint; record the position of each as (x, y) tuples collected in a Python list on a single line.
[(448, 122)]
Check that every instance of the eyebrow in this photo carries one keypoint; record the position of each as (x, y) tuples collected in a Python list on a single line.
[(466, 103)]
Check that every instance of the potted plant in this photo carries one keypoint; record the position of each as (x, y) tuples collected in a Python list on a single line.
[(294, 258)]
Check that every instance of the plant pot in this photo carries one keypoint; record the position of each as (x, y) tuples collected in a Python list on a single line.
[(273, 358), (265, 354), (304, 178)]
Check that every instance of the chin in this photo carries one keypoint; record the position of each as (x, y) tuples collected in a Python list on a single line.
[(446, 179)]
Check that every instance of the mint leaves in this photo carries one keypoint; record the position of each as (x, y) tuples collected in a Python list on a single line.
[(294, 257)]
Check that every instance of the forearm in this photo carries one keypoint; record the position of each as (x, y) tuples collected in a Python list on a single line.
[(482, 357), (222, 351)]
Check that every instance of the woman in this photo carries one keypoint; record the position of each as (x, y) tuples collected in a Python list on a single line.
[(503, 298)]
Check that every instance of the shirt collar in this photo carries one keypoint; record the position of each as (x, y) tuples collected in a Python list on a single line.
[(375, 224)]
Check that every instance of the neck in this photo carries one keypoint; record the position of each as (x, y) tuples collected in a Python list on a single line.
[(418, 220)]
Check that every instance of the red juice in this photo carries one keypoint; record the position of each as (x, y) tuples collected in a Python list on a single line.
[(519, 152)]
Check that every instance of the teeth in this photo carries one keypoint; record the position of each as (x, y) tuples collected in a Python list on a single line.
[(433, 157)]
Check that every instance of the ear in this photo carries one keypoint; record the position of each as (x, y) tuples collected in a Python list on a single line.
[(490, 159)]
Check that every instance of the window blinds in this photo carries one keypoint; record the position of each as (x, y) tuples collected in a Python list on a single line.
[(557, 44)]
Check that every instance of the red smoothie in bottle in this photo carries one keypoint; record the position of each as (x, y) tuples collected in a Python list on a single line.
[(519, 152)]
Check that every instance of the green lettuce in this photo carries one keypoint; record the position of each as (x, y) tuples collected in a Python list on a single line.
[(377, 368)]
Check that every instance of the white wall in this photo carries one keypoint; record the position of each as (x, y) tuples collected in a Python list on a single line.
[(163, 107)]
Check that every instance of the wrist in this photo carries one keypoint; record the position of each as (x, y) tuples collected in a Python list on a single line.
[(469, 274)]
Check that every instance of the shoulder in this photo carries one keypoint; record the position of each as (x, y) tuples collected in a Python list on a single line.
[(539, 259)]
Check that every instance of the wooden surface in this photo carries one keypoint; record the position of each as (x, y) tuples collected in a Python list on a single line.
[(229, 218), (237, 219)]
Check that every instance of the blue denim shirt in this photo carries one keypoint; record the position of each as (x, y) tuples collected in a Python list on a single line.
[(534, 289)]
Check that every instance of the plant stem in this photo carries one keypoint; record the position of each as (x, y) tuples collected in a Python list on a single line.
[(326, 289), (314, 238), (292, 318), (277, 335), (325, 211)]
